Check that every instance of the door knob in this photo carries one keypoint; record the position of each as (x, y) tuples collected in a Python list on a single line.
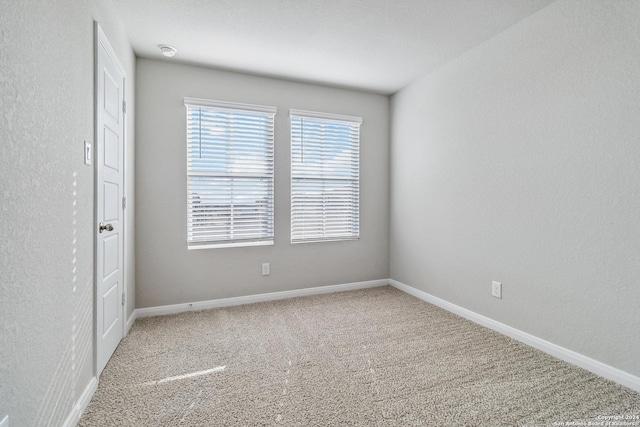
[(104, 226)]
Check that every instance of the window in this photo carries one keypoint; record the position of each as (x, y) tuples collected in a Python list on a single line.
[(325, 177), (229, 174)]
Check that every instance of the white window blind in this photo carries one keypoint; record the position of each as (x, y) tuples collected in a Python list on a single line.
[(229, 174), (325, 177)]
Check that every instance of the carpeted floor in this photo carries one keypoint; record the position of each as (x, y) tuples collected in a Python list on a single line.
[(373, 357)]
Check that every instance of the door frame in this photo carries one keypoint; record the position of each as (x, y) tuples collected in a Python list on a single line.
[(100, 39)]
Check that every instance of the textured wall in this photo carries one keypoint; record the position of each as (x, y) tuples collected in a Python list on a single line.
[(519, 162), (168, 273), (46, 196)]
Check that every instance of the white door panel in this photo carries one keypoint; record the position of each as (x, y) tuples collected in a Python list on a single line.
[(111, 92), (109, 210), (111, 148), (109, 314), (111, 198), (110, 256)]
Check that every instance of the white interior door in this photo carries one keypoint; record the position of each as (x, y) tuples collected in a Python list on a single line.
[(109, 201)]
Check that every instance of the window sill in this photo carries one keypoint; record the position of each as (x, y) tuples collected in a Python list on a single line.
[(229, 245)]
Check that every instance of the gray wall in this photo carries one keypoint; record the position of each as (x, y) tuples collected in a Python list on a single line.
[(46, 196), (168, 273), (520, 162)]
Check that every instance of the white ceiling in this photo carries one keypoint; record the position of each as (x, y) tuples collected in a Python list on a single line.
[(373, 45)]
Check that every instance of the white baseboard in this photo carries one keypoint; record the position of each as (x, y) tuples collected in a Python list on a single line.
[(250, 299), (598, 368), (81, 404), (130, 321)]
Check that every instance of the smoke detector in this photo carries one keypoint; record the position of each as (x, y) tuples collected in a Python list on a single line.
[(168, 51)]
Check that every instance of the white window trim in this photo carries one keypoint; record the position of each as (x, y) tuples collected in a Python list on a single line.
[(230, 245), (340, 118), (225, 105)]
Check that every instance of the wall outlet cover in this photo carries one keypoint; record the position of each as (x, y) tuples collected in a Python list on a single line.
[(496, 289)]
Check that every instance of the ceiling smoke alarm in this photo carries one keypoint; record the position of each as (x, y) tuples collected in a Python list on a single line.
[(168, 51)]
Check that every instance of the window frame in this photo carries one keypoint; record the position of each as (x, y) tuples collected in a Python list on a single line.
[(232, 108), (325, 119)]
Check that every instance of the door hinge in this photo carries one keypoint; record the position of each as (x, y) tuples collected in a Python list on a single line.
[(124, 202), (123, 298), (124, 107)]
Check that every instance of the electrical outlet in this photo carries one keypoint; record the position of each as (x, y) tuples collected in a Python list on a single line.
[(266, 269), (5, 422), (496, 289)]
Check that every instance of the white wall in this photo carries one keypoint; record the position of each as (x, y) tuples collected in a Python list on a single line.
[(46, 196), (520, 162), (168, 273)]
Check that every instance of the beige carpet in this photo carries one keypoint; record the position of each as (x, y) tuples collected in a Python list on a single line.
[(374, 357)]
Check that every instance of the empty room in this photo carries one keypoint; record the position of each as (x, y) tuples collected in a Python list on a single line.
[(320, 213)]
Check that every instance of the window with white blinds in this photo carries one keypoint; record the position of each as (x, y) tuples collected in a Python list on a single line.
[(325, 177), (229, 174)]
